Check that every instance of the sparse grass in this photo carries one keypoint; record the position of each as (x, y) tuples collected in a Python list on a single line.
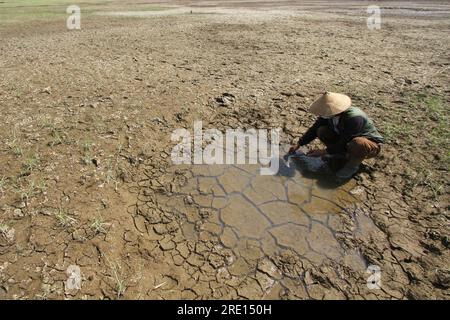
[(436, 131), (426, 114), (392, 131), (447, 159), (41, 187), (42, 296), (15, 145), (7, 232), (31, 190), (99, 225), (98, 123), (47, 122), (17, 149), (439, 113), (120, 283), (110, 172), (2, 185), (111, 168), (87, 145), (31, 163), (64, 219), (398, 126), (87, 152), (58, 137), (424, 127), (420, 176), (117, 277)]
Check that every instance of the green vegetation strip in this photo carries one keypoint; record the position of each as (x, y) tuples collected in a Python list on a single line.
[(20, 11)]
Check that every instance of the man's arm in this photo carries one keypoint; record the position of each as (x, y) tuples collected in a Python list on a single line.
[(311, 133)]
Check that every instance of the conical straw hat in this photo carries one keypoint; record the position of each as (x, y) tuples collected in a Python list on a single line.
[(330, 104)]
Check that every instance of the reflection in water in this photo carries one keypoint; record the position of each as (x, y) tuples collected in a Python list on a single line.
[(260, 215)]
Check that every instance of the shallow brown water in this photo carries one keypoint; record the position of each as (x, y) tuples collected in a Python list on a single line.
[(257, 217)]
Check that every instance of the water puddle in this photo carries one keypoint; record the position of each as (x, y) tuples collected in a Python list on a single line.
[(259, 216)]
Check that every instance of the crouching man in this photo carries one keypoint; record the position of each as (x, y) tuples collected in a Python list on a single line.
[(346, 131)]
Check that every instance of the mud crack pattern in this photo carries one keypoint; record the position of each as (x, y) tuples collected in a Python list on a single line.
[(253, 236)]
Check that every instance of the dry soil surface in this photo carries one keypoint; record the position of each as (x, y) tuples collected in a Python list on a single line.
[(86, 177)]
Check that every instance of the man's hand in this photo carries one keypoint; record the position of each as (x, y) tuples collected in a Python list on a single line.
[(294, 148), (317, 153)]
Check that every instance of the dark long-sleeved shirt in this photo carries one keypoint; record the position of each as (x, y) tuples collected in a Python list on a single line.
[(347, 127)]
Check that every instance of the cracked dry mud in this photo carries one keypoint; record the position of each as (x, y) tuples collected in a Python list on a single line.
[(86, 178), (238, 228)]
